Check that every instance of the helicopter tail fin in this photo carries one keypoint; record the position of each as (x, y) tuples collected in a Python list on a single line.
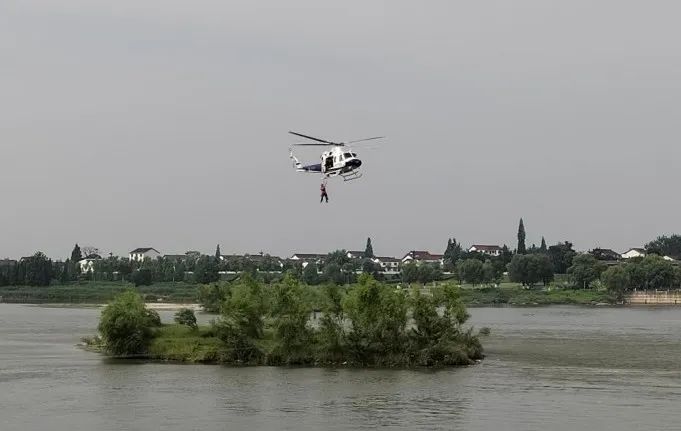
[(296, 162)]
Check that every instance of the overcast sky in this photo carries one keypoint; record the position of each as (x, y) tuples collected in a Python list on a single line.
[(164, 123)]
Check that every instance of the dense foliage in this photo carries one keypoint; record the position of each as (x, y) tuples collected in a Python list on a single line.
[(127, 326), (186, 316), (369, 325)]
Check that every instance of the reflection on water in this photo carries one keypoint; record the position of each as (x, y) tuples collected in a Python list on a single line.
[(558, 368)]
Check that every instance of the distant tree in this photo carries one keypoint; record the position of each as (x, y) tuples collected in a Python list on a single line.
[(542, 247), (339, 257), (490, 274), (186, 316), (666, 246), (561, 256), (142, 277), (76, 254), (311, 274), (471, 271), (506, 255), (410, 272), (452, 254), (658, 273), (64, 275), (89, 250), (36, 270), (617, 280), (333, 273), (369, 250), (206, 270), (521, 238), (217, 253), (585, 269), (427, 273), (530, 269)]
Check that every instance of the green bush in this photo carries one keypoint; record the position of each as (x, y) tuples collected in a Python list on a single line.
[(126, 325), (186, 317)]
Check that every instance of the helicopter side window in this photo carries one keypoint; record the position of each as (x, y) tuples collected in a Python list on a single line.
[(354, 155), (348, 155)]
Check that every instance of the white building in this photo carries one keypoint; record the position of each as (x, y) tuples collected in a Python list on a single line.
[(423, 257), (389, 265), (634, 252), (306, 258), (490, 250), (139, 254), (87, 264)]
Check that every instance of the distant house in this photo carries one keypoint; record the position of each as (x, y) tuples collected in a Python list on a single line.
[(490, 250), (605, 254), (419, 256), (87, 264), (261, 261), (389, 265), (307, 258), (139, 254), (188, 256), (4, 263), (634, 252), (353, 254)]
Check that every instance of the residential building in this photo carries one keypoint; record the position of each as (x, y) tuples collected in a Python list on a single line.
[(354, 254), (139, 254), (87, 264), (490, 250), (634, 252), (389, 265), (306, 258), (420, 256)]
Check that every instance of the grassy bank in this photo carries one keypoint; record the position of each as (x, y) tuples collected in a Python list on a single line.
[(519, 296), (96, 293)]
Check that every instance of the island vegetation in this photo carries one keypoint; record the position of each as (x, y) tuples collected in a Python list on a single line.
[(371, 324)]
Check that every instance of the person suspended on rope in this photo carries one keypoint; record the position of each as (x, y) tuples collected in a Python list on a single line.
[(325, 195)]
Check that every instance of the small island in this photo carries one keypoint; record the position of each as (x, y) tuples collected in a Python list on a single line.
[(371, 324)]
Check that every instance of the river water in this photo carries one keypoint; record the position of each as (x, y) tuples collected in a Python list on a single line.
[(552, 368)]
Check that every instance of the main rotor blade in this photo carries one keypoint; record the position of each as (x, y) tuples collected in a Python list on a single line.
[(367, 139), (313, 145), (313, 138)]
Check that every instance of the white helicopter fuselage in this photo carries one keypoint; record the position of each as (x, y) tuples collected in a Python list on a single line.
[(339, 160)]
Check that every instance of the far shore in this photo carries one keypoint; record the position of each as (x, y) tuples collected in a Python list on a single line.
[(159, 306)]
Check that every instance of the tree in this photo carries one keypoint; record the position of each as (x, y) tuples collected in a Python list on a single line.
[(665, 246), (212, 296), (410, 272), (369, 250), (658, 273), (76, 254), (218, 255), (36, 270), (311, 274), (584, 270), (142, 277), (530, 269), (292, 336), (561, 256), (206, 270), (489, 273), (452, 254), (333, 273), (617, 280), (126, 326), (542, 247), (521, 238), (471, 271), (186, 316)]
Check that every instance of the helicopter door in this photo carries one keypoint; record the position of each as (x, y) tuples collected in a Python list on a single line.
[(328, 164)]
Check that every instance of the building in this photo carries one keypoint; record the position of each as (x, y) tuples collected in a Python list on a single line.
[(139, 254), (306, 258), (87, 264), (490, 250), (634, 252), (354, 254), (419, 256), (389, 265)]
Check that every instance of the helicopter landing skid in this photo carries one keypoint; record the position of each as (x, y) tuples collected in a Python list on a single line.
[(354, 175)]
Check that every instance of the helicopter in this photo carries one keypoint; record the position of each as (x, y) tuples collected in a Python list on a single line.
[(339, 160)]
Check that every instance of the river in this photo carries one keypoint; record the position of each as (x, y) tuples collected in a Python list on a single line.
[(551, 368)]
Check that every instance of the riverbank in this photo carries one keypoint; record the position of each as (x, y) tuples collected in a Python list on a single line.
[(174, 295), (517, 296)]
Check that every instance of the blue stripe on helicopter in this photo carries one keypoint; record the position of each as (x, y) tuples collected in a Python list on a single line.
[(313, 168)]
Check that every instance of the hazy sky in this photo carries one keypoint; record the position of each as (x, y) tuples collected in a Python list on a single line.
[(164, 123)]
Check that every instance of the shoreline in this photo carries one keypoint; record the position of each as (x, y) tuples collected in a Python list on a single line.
[(165, 306)]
